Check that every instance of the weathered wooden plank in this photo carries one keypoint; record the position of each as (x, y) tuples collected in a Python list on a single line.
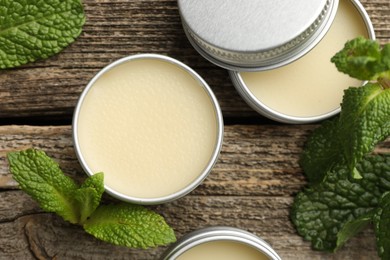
[(115, 29), (251, 187), (30, 234), (255, 160)]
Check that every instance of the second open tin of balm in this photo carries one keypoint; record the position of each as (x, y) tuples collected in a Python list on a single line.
[(279, 52), (309, 89), (152, 125), (220, 243)]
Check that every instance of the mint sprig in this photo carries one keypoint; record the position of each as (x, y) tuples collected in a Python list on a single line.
[(346, 184), (121, 224), (32, 30)]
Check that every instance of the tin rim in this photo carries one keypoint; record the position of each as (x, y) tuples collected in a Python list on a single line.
[(219, 233), (213, 159), (215, 57), (270, 113)]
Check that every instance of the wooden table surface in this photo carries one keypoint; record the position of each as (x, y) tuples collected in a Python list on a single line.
[(251, 187)]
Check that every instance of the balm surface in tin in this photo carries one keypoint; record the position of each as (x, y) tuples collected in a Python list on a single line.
[(152, 125), (258, 34), (220, 243), (309, 89)]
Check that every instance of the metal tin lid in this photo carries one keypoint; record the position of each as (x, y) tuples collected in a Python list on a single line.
[(257, 34)]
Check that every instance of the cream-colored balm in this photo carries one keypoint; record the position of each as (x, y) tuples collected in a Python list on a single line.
[(149, 125), (226, 250), (311, 86)]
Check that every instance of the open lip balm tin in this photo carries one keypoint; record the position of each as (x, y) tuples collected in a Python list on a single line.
[(214, 242), (152, 125), (277, 51)]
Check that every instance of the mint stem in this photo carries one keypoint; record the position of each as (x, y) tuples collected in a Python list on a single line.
[(356, 174)]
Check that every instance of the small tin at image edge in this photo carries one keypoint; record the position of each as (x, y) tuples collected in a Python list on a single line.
[(218, 233)]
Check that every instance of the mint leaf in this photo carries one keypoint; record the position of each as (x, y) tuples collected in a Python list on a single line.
[(86, 200), (321, 151), (129, 225), (87, 197), (321, 212), (40, 177), (32, 30), (96, 182), (376, 168), (363, 59), (363, 122), (382, 226)]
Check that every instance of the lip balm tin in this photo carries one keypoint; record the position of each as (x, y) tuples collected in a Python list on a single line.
[(219, 233), (258, 105), (217, 114), (255, 36)]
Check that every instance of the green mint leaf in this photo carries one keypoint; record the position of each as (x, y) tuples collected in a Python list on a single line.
[(32, 30), (321, 212), (364, 121), (87, 197), (96, 182), (376, 168), (382, 227), (40, 177), (363, 59), (321, 151), (129, 225)]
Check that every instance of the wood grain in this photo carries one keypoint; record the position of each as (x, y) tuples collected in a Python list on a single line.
[(263, 158), (30, 234), (251, 187), (115, 29)]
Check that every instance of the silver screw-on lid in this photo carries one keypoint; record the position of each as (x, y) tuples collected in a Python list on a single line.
[(255, 34)]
